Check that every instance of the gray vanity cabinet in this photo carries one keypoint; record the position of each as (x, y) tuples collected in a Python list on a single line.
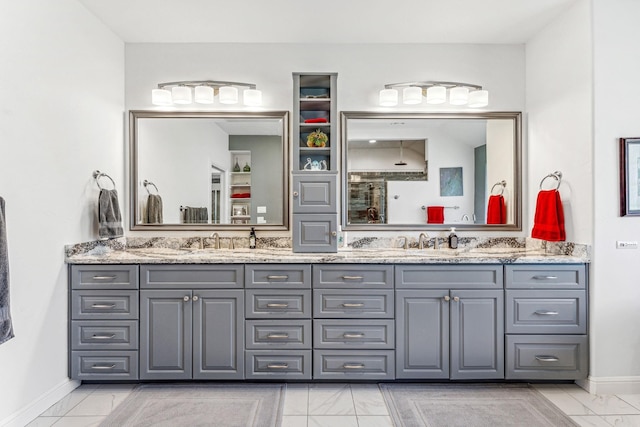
[(546, 321), (187, 329), (455, 333), (103, 331)]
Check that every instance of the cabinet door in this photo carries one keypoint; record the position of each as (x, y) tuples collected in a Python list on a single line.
[(165, 335), (315, 233), (422, 334), (218, 334), (314, 194), (477, 334)]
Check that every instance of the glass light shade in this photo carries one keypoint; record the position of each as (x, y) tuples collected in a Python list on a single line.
[(252, 97), (228, 95), (478, 98), (458, 95), (181, 95), (161, 97), (412, 95), (203, 94), (436, 95), (388, 97)]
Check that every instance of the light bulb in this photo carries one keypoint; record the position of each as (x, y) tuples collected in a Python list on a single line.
[(436, 95), (181, 95), (228, 95), (412, 95), (161, 97), (252, 97), (203, 94), (458, 95), (388, 97), (478, 98)]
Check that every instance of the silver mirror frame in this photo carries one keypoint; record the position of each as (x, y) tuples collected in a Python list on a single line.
[(516, 116), (134, 115)]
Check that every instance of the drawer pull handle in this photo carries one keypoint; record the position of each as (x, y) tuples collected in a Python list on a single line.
[(103, 337), (353, 366), (545, 277), (277, 305), (547, 358), (104, 277), (545, 313), (352, 277), (353, 304), (278, 365), (103, 367), (103, 305), (275, 277), (353, 334), (277, 336)]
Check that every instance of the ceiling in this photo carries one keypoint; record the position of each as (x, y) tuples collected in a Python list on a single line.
[(327, 21)]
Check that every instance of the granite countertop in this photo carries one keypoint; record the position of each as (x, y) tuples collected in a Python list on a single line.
[(100, 254)]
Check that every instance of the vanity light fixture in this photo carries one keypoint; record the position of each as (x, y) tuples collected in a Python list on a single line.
[(204, 91), (435, 92)]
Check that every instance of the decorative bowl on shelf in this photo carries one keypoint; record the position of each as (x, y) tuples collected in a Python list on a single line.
[(317, 139)]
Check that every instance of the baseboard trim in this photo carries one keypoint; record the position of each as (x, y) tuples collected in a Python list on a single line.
[(29, 413), (611, 385)]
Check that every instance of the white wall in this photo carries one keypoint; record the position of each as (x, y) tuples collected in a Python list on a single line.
[(62, 85), (615, 342), (559, 110), (362, 69)]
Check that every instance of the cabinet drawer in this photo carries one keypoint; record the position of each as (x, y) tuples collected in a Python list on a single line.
[(121, 305), (278, 304), (192, 276), (557, 357), (104, 276), (370, 334), (449, 276), (557, 276), (546, 312), (104, 335), (274, 334), (274, 364), (353, 276), (275, 276), (337, 303), (104, 365), (354, 364)]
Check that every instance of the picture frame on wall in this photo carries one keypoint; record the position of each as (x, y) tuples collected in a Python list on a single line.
[(629, 176)]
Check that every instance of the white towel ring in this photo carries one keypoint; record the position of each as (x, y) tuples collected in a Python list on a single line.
[(97, 175), (502, 185), (557, 175)]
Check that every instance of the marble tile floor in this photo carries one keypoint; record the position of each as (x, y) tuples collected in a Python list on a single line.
[(343, 405)]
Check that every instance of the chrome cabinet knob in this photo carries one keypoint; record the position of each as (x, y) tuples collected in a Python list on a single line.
[(195, 298), (186, 298), (295, 194), (334, 233), (447, 298), (456, 299)]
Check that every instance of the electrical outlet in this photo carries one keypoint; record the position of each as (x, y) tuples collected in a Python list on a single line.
[(622, 244)]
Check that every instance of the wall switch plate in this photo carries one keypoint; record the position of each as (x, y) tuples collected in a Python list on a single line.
[(261, 209), (622, 244)]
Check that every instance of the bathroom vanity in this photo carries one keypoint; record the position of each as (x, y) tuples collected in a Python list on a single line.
[(179, 314)]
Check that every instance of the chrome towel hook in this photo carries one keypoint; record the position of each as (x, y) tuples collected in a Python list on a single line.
[(557, 175), (97, 175), (502, 185), (147, 184)]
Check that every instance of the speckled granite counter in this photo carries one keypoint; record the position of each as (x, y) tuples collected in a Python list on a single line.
[(199, 251)]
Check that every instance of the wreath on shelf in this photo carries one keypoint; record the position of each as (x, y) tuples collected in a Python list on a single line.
[(317, 138)]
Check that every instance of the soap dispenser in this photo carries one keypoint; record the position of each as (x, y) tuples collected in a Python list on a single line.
[(453, 239), (252, 238)]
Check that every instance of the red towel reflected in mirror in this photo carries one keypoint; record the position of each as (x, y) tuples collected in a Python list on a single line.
[(435, 214), (496, 210)]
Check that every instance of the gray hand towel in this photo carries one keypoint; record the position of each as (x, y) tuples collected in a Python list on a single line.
[(154, 209), (6, 327), (109, 217)]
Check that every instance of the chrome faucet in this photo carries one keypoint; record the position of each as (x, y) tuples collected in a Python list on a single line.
[(421, 239), (216, 240), (406, 242), (465, 217), (231, 245)]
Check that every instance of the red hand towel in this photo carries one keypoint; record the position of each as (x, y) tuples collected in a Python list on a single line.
[(318, 120), (548, 222), (496, 210), (435, 214)]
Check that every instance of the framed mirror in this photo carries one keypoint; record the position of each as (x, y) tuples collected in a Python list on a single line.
[(209, 170), (431, 171)]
